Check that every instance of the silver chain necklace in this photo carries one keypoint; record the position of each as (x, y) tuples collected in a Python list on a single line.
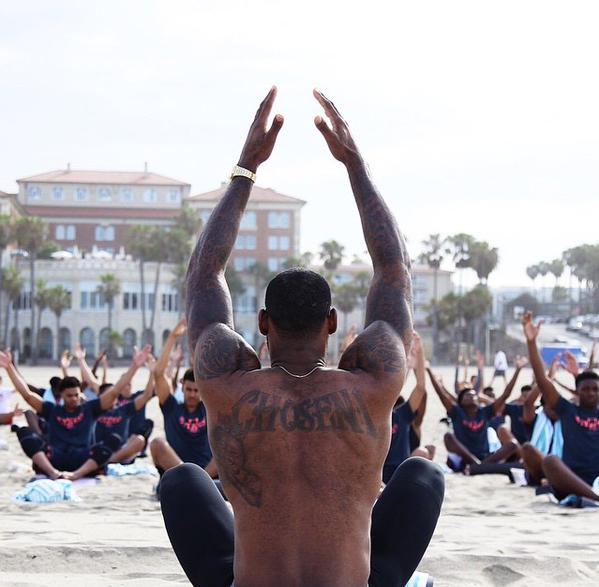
[(319, 364)]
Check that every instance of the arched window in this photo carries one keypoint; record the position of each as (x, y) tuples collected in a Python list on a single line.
[(64, 340), (165, 335), (129, 341), (148, 337), (104, 339), (87, 339), (44, 343)]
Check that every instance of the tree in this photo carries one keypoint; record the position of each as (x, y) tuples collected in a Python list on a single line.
[(331, 254), (262, 275), (433, 257), (12, 284), (109, 289), (235, 284), (60, 300), (179, 272), (543, 270), (189, 221), (556, 268), (140, 244), (345, 299), (526, 301), (533, 272), (483, 259), (559, 294), (459, 246), (31, 234), (42, 301), (6, 237)]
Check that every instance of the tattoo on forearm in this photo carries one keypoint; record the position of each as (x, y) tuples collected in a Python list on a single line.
[(338, 412)]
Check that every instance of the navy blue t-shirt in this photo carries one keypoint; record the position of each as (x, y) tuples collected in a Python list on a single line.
[(187, 432), (472, 431), (115, 421), (67, 430), (137, 420), (401, 418), (580, 429), (522, 431)]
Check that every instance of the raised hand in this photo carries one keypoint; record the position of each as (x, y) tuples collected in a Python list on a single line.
[(17, 411), (480, 360), (530, 330), (65, 360), (140, 357), (260, 142), (79, 352), (570, 363), (5, 359), (521, 362), (338, 136), (180, 328), (555, 364), (151, 362)]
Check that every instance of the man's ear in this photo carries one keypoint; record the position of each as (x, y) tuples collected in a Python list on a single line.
[(332, 321), (263, 322)]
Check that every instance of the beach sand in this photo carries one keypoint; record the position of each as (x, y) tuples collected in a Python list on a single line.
[(490, 532)]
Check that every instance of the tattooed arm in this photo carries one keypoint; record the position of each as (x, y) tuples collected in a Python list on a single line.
[(218, 349), (378, 349)]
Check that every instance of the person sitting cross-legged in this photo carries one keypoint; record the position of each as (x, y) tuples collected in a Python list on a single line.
[(69, 451), (577, 471)]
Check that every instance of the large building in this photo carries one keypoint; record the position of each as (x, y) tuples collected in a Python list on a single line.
[(95, 209)]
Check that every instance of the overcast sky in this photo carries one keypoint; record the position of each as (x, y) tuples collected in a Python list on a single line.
[(478, 117)]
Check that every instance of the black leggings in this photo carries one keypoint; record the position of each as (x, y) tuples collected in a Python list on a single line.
[(200, 525)]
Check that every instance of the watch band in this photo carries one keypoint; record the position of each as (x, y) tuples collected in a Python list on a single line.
[(239, 171)]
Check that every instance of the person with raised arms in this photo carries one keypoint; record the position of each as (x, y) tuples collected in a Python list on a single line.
[(184, 424), (300, 446), (577, 471), (69, 451)]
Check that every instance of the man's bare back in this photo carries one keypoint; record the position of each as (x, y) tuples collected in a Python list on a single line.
[(300, 461), (299, 447)]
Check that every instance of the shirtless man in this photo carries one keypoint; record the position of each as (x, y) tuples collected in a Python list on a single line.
[(300, 446)]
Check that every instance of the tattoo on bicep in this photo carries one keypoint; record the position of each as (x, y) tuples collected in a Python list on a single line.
[(216, 355)]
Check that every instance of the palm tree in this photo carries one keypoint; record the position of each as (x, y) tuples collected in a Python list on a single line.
[(433, 257), (6, 236), (262, 275), (42, 301), (179, 272), (533, 272), (139, 244), (483, 259), (12, 284), (346, 299), (331, 254), (109, 289), (235, 284), (543, 270), (189, 221), (31, 234), (459, 249), (60, 300)]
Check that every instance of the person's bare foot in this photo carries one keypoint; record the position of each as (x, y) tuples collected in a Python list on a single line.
[(432, 449), (67, 475)]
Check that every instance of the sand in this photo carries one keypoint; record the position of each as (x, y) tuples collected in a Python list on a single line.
[(490, 532)]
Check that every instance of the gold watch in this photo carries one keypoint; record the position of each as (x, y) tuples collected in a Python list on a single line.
[(243, 172)]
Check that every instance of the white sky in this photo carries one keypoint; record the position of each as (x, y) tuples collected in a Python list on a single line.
[(479, 117)]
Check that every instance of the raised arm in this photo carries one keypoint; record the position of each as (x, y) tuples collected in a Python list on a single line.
[(499, 403), (139, 358), (65, 363), (34, 400), (162, 383), (86, 373), (531, 332), (218, 349), (417, 362), (142, 399), (446, 398)]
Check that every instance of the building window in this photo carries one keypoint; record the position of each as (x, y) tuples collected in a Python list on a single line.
[(248, 221), (170, 302), (60, 232), (130, 301), (174, 196), (246, 303), (104, 233), (278, 220), (57, 193), (278, 243), (274, 263), (150, 196), (71, 232), (91, 300), (126, 195), (104, 194), (245, 242), (33, 193), (81, 194), (243, 263), (24, 301)]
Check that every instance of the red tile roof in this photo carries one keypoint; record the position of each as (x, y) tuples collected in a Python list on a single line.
[(258, 195), (107, 177)]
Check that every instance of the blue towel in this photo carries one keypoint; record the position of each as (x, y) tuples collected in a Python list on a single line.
[(118, 470), (419, 580), (47, 491), (542, 432)]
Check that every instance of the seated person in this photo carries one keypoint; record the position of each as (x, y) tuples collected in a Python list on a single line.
[(8, 416), (184, 424), (118, 421), (404, 414), (468, 444), (577, 472), (69, 452)]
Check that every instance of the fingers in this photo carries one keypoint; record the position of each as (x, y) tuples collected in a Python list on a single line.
[(266, 105), (323, 127), (329, 108), (277, 123)]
